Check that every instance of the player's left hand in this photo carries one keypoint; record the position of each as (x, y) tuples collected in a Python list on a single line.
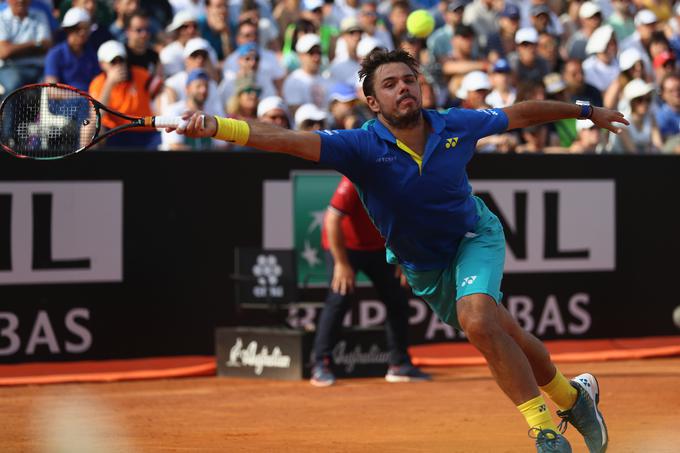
[(605, 119)]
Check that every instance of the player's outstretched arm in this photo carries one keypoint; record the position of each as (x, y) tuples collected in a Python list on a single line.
[(530, 113), (266, 137)]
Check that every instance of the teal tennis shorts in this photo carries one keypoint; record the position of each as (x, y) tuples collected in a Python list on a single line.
[(477, 268)]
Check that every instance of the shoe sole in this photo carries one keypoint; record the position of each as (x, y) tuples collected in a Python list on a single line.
[(396, 379), (316, 383), (595, 395)]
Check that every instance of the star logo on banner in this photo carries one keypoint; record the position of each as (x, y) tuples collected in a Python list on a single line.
[(310, 254), (317, 220)]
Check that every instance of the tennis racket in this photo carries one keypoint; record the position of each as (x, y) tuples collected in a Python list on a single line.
[(51, 120)]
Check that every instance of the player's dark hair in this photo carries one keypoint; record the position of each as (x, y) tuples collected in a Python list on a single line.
[(378, 57)]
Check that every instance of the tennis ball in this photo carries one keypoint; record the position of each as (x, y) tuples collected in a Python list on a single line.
[(420, 23), (676, 316)]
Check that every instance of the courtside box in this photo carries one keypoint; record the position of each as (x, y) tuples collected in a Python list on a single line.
[(280, 353)]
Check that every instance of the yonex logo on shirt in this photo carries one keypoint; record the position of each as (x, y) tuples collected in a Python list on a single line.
[(451, 142), (468, 280)]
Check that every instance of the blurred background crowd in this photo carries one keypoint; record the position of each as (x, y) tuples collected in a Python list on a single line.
[(294, 63)]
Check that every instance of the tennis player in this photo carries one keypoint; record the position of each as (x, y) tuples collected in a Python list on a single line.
[(409, 166)]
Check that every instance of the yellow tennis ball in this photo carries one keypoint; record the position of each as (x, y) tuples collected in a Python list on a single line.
[(420, 23)]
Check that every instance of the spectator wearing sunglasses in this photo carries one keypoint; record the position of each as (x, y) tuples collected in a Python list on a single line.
[(643, 135), (73, 61), (345, 69), (184, 26), (125, 89), (139, 51), (242, 104)]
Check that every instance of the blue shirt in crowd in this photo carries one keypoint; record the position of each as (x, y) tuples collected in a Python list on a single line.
[(422, 206), (668, 121), (72, 69)]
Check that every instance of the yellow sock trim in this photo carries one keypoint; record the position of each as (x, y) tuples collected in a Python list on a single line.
[(537, 414), (231, 130), (561, 391)]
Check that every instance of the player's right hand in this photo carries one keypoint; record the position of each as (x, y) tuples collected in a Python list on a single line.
[(197, 124), (343, 279)]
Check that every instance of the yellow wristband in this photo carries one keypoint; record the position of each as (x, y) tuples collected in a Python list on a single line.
[(231, 130)]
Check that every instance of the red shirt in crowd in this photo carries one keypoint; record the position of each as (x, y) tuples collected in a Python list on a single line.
[(357, 228)]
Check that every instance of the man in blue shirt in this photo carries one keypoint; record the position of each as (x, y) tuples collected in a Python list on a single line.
[(74, 61), (409, 168), (668, 114)]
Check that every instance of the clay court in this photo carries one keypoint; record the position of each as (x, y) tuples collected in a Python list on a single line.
[(462, 410)]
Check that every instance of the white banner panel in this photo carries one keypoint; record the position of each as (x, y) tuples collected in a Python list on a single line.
[(61, 232), (560, 225)]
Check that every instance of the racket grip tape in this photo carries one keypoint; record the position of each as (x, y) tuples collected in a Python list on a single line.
[(162, 121)]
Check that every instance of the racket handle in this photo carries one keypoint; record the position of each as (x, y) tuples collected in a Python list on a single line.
[(161, 122)]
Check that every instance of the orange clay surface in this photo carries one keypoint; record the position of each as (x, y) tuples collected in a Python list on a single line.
[(462, 410)]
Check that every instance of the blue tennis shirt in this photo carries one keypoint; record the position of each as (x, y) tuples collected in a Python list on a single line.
[(423, 207)]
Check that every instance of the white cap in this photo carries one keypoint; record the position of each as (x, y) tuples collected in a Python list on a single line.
[(588, 9), (110, 50), (366, 45), (349, 23), (271, 103), (75, 16), (194, 45), (584, 124), (473, 81), (181, 18), (308, 112), (311, 5), (553, 83), (306, 42), (645, 17), (637, 88), (526, 34), (599, 40), (628, 58)]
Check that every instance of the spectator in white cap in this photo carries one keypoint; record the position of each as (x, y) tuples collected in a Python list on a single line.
[(345, 69), (196, 56), (184, 26), (525, 62), (98, 34), (601, 68), (249, 66), (306, 85), (247, 32), (642, 136), (309, 117), (295, 31), (122, 9), (632, 67), (590, 19), (73, 61), (474, 89), (273, 110), (621, 19), (123, 88), (646, 24), (588, 139), (196, 6)]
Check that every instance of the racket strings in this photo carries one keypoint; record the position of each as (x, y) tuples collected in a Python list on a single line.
[(47, 122)]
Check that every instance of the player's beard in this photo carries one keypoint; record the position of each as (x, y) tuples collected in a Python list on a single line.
[(405, 120)]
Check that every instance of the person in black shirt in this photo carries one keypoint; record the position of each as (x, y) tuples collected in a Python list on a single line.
[(139, 51)]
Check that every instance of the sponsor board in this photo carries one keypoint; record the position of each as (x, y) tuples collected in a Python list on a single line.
[(61, 232)]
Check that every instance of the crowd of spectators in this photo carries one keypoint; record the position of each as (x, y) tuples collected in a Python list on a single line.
[(294, 63)]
